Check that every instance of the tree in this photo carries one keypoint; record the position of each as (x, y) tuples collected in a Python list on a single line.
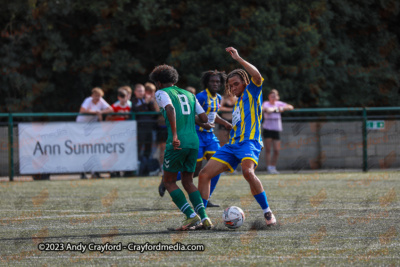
[(317, 53)]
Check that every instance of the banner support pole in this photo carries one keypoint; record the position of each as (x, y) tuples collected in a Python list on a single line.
[(10, 147)]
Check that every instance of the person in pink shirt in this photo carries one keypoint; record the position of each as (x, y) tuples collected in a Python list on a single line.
[(272, 125)]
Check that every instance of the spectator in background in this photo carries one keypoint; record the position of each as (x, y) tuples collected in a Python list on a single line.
[(191, 89), (141, 103), (95, 104), (150, 92), (153, 163), (121, 106), (129, 90), (161, 139), (150, 96), (227, 104), (272, 125)]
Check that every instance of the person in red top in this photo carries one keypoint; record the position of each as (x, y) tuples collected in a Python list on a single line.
[(121, 106)]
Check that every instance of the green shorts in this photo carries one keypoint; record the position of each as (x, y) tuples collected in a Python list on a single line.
[(183, 160)]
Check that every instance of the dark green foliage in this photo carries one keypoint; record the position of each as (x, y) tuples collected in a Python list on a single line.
[(316, 53)]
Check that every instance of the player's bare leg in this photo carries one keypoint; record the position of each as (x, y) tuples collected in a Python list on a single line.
[(256, 186), (162, 187), (169, 180), (198, 169), (199, 164), (211, 169), (276, 146), (257, 190), (267, 148), (196, 173), (195, 198), (187, 182)]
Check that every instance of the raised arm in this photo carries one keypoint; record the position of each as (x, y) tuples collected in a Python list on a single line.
[(252, 70)]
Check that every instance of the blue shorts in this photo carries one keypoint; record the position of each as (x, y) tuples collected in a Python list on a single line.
[(232, 155), (208, 144)]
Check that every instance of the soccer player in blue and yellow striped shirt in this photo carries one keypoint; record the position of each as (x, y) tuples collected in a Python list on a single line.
[(210, 101), (245, 142)]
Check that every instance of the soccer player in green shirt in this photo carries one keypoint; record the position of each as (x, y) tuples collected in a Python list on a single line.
[(179, 108)]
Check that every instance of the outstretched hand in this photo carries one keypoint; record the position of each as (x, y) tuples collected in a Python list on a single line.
[(208, 125), (234, 53), (252, 70), (229, 126)]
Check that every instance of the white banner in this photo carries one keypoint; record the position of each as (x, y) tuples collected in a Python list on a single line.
[(69, 147)]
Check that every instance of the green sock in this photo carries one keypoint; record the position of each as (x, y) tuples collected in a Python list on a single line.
[(180, 201), (197, 203)]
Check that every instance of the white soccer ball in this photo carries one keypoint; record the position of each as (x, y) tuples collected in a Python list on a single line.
[(233, 217)]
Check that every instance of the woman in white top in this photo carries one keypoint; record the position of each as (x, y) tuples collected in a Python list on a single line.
[(272, 126), (94, 104)]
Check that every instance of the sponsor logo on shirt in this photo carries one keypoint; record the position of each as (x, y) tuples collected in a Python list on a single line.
[(236, 116)]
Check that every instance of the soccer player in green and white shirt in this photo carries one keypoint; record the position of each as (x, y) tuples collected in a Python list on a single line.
[(179, 108)]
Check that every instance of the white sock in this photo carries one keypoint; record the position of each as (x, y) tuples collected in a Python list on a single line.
[(266, 210), (271, 167), (193, 215), (202, 220)]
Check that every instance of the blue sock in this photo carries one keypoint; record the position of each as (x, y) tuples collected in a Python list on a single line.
[(262, 200), (178, 178), (214, 182), (205, 201)]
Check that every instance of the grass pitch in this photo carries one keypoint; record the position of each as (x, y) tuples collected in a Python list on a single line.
[(323, 219)]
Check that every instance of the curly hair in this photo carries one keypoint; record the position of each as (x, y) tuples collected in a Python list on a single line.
[(164, 74), (242, 75), (205, 77)]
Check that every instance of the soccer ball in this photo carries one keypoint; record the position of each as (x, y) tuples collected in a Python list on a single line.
[(233, 217)]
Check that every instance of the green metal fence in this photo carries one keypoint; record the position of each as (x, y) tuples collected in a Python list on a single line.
[(360, 115), (366, 116)]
